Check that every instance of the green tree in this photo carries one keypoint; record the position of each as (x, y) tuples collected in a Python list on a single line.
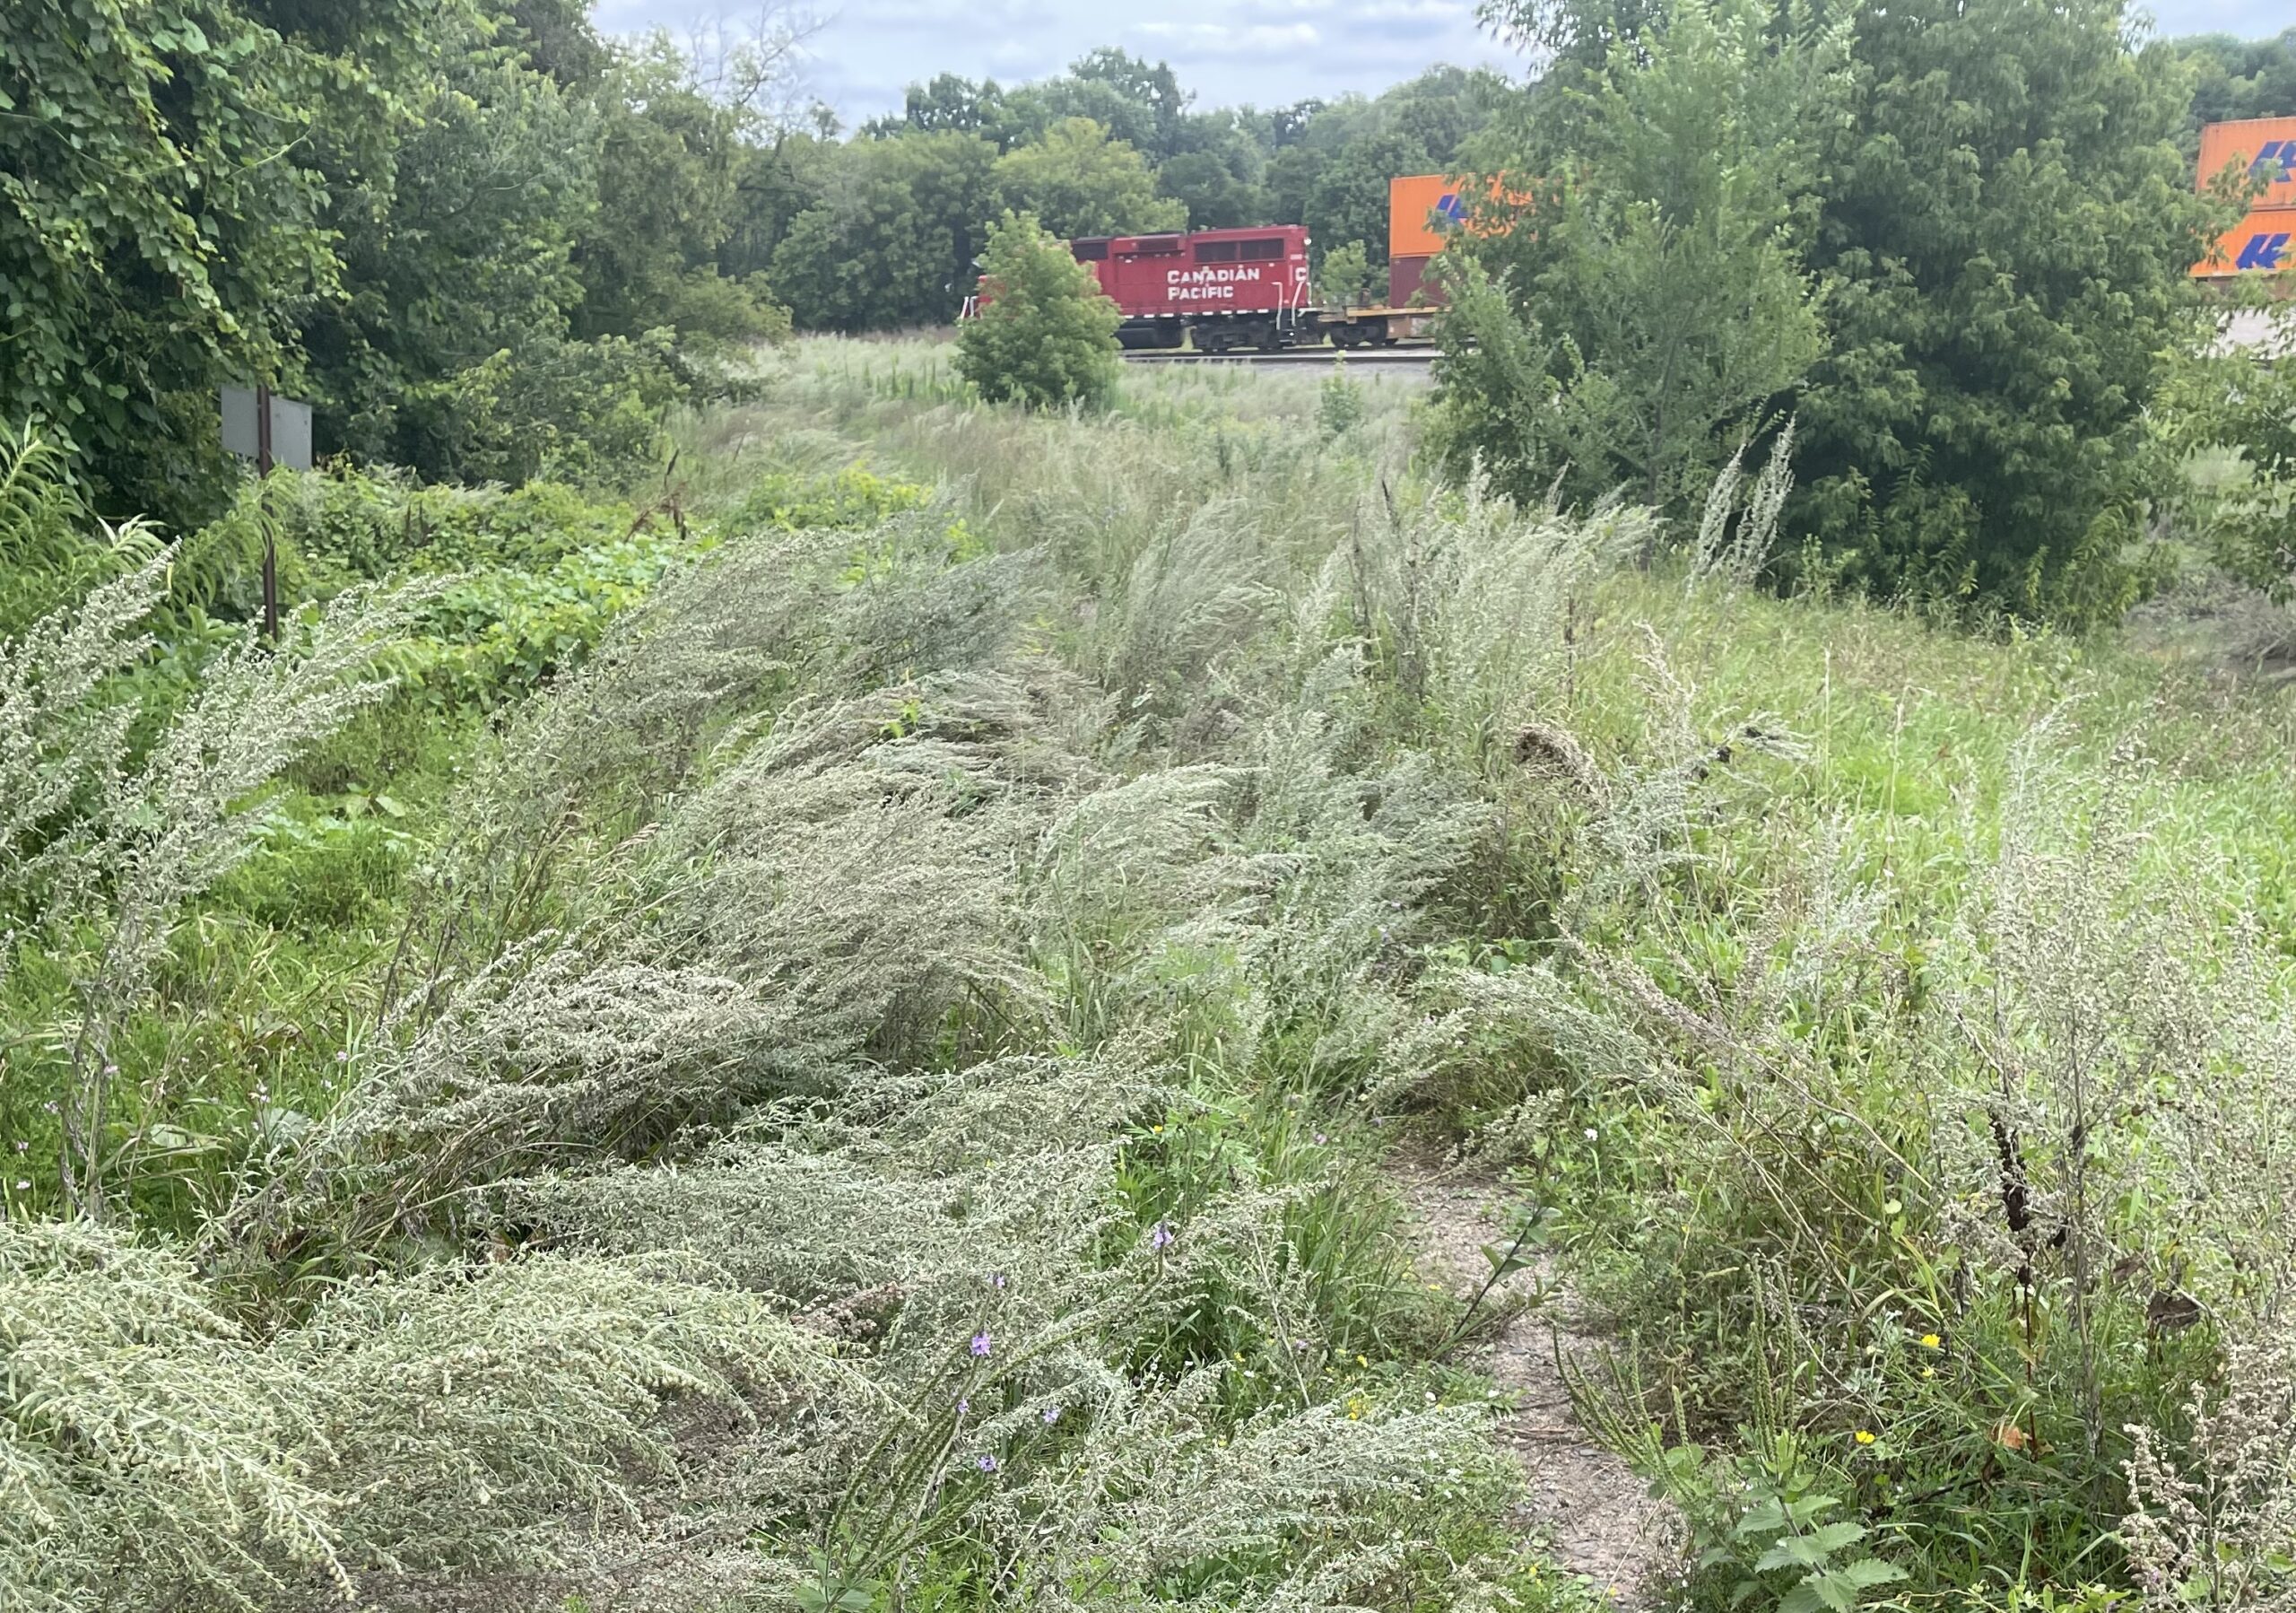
[(896, 246), (1347, 199), (1345, 278), (1658, 269), (2239, 78), (162, 224), (773, 183), (669, 161), (951, 104), (1139, 104), (1216, 173), (1045, 334), (1078, 182), (467, 253), (2006, 229)]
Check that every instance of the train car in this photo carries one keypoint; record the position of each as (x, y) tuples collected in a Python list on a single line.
[(2263, 242), (1221, 288)]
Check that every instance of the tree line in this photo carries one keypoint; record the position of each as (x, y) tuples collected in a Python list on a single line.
[(485, 240), (488, 242)]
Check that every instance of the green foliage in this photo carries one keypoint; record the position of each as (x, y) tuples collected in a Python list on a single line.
[(1683, 160), (1766, 1537), (552, 408), (1347, 279), (471, 262), (2235, 79), (1974, 431), (1505, 403), (1339, 402), (51, 550), (161, 220), (894, 242), (1079, 181), (1045, 334), (1217, 173), (669, 159), (2224, 424)]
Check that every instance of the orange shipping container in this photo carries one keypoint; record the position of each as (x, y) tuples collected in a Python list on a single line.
[(2263, 242), (1415, 204), (2251, 145)]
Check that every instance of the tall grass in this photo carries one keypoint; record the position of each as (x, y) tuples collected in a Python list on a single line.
[(881, 1100)]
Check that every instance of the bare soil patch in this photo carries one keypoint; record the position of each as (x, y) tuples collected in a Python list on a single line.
[(1585, 1503)]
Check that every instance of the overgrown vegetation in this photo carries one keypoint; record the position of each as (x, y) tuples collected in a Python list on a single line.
[(1709, 217), (870, 1087), (795, 988)]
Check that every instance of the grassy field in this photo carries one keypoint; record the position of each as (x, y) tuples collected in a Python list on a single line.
[(856, 1065)]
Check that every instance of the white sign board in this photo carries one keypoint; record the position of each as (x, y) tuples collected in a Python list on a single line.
[(290, 428)]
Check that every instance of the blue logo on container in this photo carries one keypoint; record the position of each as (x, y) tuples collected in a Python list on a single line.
[(2280, 152), (1452, 208), (2263, 251)]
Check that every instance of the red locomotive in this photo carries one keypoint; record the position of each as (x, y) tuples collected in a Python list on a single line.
[(1226, 288)]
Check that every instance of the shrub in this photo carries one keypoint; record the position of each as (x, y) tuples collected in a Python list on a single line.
[(1045, 334), (1346, 277)]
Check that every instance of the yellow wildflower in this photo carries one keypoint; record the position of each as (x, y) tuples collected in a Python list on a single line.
[(1930, 1341), (1863, 1437)]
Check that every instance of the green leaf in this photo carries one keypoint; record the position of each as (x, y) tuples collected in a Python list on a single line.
[(1834, 1591), (1766, 1518), (1795, 1551), (1504, 1261), (1833, 1537), (1809, 1507), (1868, 1572)]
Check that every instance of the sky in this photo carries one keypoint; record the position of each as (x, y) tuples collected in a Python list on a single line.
[(1266, 52)]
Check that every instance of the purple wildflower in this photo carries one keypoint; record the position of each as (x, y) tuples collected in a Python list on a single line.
[(996, 1280), (986, 1464), (1319, 1139), (1162, 1237), (963, 1405), (1051, 1415), (981, 1344)]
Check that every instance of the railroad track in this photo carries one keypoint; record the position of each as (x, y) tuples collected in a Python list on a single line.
[(1369, 358)]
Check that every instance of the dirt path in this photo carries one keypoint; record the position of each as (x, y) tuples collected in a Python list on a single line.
[(1596, 1516)]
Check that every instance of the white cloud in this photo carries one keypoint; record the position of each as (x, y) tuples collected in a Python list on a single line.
[(1415, 10), (1227, 52), (1221, 39)]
